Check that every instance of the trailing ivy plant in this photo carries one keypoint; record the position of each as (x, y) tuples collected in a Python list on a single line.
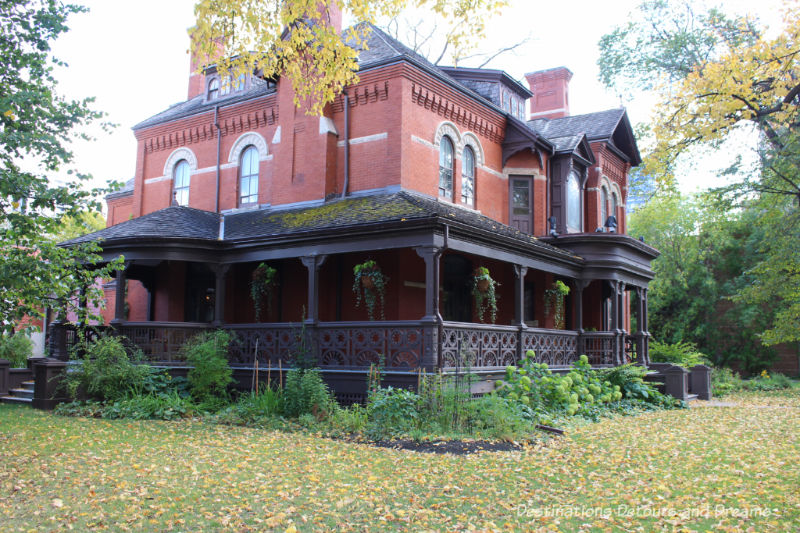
[(484, 290), (554, 299), (369, 284), (263, 285)]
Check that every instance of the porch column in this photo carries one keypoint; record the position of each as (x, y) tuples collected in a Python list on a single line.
[(431, 255), (432, 320), (614, 305), (313, 264), (580, 284), (621, 306), (519, 295), (82, 305), (119, 304), (644, 327), (220, 277)]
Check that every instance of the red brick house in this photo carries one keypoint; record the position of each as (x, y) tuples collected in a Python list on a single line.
[(429, 171)]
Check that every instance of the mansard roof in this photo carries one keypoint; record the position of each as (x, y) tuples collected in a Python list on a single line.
[(611, 126), (359, 213)]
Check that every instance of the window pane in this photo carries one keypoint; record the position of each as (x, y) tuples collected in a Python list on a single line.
[(213, 89), (603, 205), (573, 203), (520, 197), (446, 167), (248, 181), (468, 177), (180, 182)]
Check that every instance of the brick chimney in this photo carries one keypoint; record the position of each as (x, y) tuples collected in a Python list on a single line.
[(550, 90)]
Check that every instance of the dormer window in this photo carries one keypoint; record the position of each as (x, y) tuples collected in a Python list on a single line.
[(225, 89), (213, 89)]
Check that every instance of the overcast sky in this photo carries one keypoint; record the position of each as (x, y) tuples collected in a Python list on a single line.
[(132, 57)]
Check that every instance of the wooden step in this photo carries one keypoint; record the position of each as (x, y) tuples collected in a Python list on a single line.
[(21, 393), (16, 399)]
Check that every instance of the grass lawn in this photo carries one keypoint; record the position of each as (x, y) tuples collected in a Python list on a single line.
[(709, 468)]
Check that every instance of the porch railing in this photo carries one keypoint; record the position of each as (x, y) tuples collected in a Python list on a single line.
[(405, 345)]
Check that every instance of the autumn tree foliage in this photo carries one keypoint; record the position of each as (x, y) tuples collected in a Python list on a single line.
[(36, 127), (718, 75), (299, 40)]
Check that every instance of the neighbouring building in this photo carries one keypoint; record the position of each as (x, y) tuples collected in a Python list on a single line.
[(432, 172)]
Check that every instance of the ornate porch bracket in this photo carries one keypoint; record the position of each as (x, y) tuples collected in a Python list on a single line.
[(313, 263)]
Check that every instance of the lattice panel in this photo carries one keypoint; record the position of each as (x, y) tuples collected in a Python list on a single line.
[(272, 346), (552, 349), (467, 347), (361, 347)]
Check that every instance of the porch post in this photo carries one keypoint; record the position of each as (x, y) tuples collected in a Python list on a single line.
[(644, 328), (614, 305), (431, 255), (220, 277), (519, 295), (578, 296), (119, 304), (616, 326), (313, 264), (432, 321)]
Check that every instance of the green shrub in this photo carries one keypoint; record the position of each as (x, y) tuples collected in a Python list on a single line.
[(89, 408), (107, 371), (767, 382), (349, 420), (253, 407), (210, 374), (684, 354), (305, 393), (16, 349), (149, 406), (391, 412), (495, 417), (724, 381), (534, 385)]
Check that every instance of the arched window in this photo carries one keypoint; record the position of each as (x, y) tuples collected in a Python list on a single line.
[(603, 205), (468, 177), (614, 204), (180, 182), (248, 176), (213, 89), (446, 160), (573, 203)]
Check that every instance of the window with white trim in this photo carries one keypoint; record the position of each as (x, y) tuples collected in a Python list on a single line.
[(248, 176), (180, 182), (446, 160), (468, 177)]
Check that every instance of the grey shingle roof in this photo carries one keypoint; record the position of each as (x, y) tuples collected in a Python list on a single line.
[(362, 211), (599, 125), (126, 190), (566, 144), (198, 104), (168, 223)]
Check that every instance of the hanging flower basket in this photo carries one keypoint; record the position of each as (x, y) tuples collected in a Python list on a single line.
[(554, 299), (262, 286), (369, 285), (485, 294)]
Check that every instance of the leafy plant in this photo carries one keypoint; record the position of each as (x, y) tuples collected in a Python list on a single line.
[(554, 299), (149, 406), (210, 374), (262, 286), (484, 291), (391, 412), (107, 372), (16, 349), (306, 393), (369, 284), (684, 354)]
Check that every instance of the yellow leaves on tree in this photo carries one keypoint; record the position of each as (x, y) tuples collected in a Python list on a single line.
[(299, 39), (755, 81)]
